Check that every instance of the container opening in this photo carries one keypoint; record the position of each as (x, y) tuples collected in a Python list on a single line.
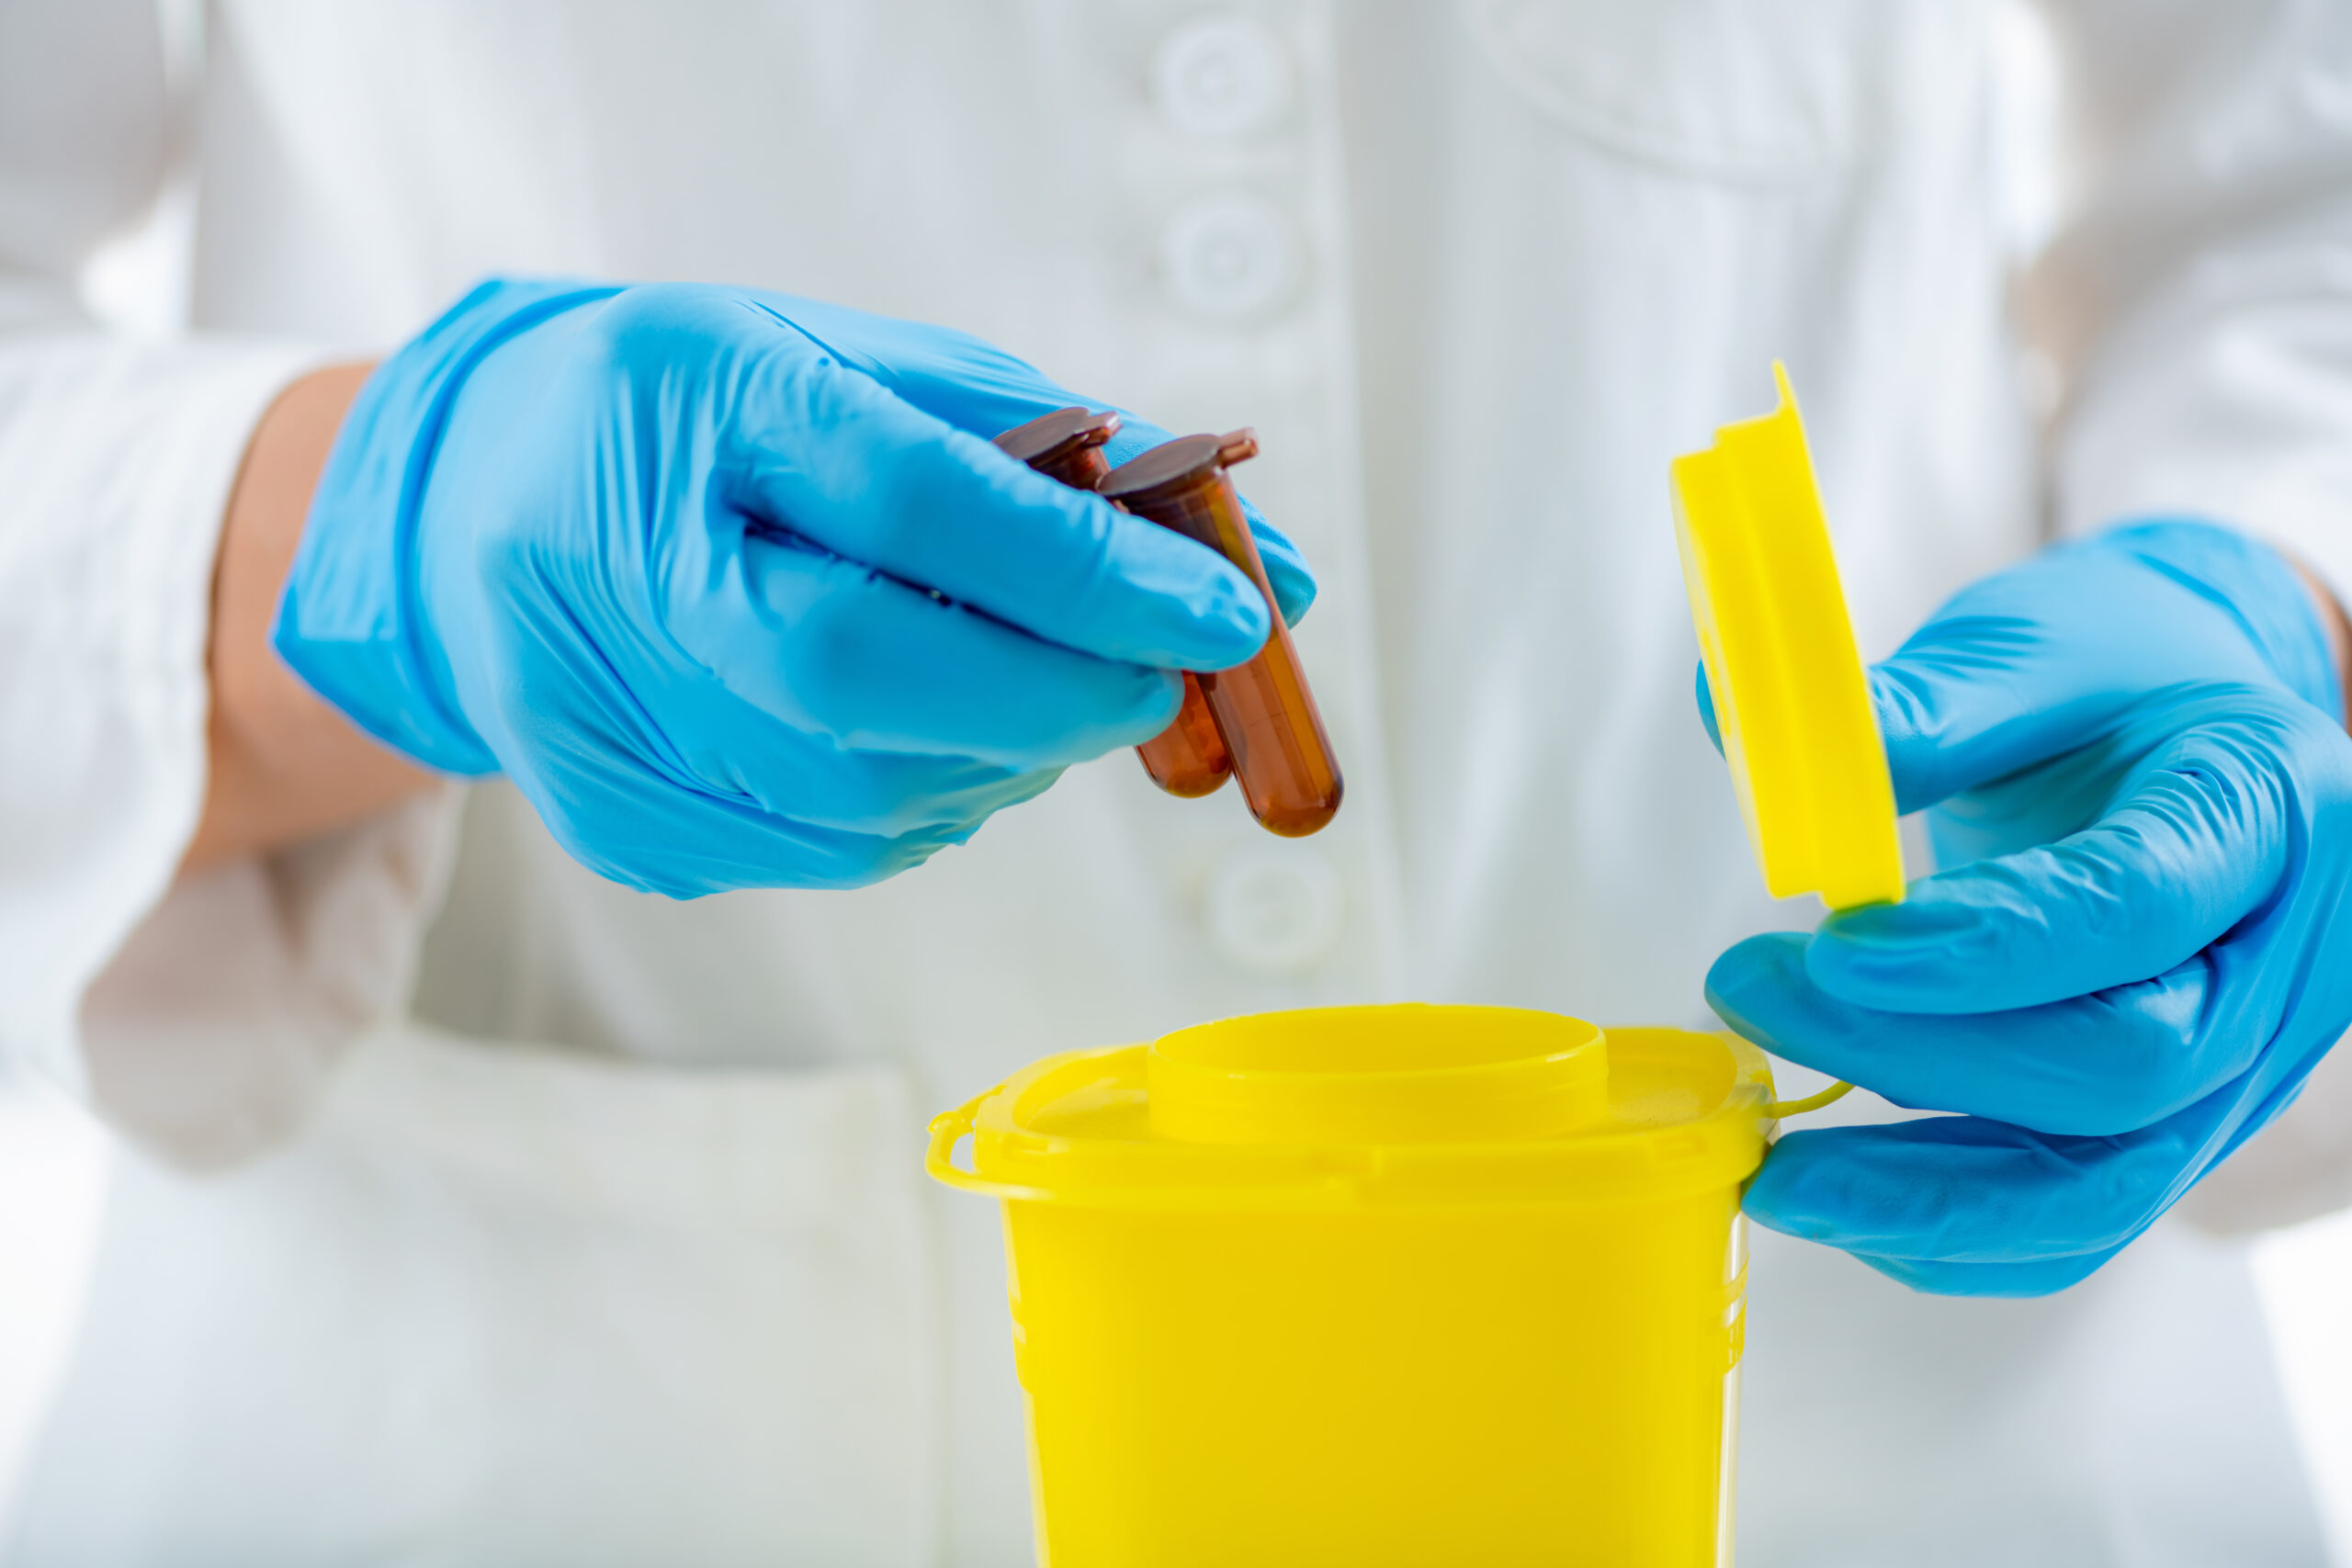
[(1414, 1038)]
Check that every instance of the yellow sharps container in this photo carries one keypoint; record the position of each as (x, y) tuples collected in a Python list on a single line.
[(1416, 1285), (1377, 1285)]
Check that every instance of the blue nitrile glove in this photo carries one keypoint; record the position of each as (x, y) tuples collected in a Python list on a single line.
[(2139, 780), (733, 584)]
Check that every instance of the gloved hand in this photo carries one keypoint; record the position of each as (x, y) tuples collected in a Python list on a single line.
[(733, 584), (2134, 750)]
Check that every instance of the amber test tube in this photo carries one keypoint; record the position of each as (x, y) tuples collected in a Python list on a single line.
[(1188, 757), (1263, 709)]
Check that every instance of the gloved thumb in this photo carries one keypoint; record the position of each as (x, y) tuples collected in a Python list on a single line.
[(1707, 712)]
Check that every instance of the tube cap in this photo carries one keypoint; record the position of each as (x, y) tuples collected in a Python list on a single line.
[(1792, 701), (1177, 465), (1052, 435)]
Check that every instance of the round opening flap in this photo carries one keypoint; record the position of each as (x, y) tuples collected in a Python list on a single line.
[(1379, 1075), (1792, 700)]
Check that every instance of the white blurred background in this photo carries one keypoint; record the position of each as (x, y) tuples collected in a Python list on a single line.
[(54, 1161)]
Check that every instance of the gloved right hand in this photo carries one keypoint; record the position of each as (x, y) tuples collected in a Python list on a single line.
[(2132, 753), (733, 584)]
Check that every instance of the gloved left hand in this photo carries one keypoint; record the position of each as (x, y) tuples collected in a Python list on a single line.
[(2134, 754), (733, 586)]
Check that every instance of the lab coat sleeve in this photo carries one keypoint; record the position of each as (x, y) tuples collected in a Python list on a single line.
[(2198, 295), (2197, 299), (198, 1015)]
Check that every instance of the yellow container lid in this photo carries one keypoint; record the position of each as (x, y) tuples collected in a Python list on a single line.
[(1405, 1105), (1791, 702)]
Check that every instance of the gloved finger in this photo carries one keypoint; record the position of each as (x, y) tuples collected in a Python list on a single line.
[(2042, 1277), (724, 746), (2089, 1066), (2200, 835), (835, 649), (1964, 1190), (1286, 569), (967, 381), (2025, 1277), (980, 389), (681, 731), (1953, 715), (889, 794), (1707, 712), (1962, 1206), (684, 843), (825, 453), (2036, 661)]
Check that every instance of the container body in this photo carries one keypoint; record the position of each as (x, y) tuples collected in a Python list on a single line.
[(1550, 1384), (1387, 1287)]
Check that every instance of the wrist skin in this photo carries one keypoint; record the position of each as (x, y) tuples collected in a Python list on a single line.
[(2332, 625), (284, 766)]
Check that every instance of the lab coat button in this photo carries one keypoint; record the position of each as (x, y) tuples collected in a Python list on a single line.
[(1229, 257), (1275, 908), (1221, 76)]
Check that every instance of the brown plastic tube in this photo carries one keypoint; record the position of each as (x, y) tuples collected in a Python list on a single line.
[(1263, 709), (1188, 758)]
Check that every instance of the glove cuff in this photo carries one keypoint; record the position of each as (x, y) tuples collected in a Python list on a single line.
[(2259, 588), (350, 621)]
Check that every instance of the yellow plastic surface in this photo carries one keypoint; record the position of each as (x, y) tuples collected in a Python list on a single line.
[(1791, 702), (1367, 1075), (1393, 1341)]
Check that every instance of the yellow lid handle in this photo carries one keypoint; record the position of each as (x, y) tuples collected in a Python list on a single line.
[(946, 1129), (1777, 1110)]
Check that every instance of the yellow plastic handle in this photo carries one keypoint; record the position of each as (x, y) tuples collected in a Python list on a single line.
[(1778, 1109), (946, 1129)]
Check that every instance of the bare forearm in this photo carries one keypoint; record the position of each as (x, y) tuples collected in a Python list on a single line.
[(284, 766)]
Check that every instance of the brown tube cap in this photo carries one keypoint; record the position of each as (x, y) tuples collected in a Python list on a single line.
[(1050, 437), (1177, 465)]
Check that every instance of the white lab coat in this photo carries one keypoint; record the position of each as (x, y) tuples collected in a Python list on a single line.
[(612, 1247)]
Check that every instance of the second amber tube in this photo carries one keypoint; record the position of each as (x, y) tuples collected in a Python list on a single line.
[(1263, 709), (1188, 758)]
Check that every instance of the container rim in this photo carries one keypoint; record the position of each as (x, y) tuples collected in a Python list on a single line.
[(1720, 1146)]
